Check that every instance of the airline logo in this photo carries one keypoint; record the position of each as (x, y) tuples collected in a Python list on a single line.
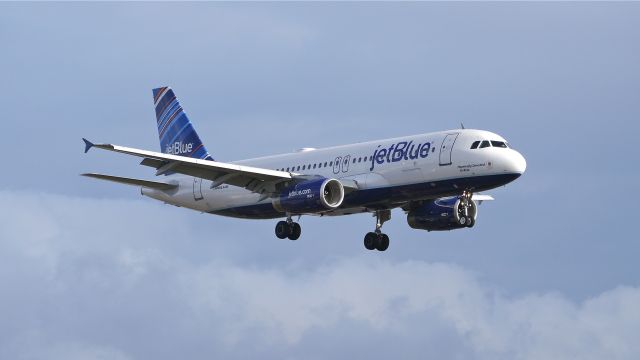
[(304, 192), (178, 148), (400, 151)]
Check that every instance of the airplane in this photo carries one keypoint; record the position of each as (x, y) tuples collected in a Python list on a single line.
[(435, 177)]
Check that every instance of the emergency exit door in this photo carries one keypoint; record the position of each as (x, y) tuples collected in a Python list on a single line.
[(197, 189)]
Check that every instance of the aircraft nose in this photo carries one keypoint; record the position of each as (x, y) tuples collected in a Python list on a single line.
[(517, 163)]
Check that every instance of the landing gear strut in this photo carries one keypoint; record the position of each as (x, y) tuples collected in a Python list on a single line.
[(377, 240), (288, 229), (464, 215)]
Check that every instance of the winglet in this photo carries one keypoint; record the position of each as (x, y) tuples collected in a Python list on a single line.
[(87, 145)]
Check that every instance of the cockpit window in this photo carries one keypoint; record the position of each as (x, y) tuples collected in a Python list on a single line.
[(475, 144), (484, 144), (499, 144)]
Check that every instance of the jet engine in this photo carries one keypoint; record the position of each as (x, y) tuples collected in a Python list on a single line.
[(310, 196), (444, 214)]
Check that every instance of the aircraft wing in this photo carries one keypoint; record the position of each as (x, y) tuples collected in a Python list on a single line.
[(252, 178), (481, 197)]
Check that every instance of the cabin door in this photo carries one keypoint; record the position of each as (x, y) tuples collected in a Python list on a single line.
[(446, 147)]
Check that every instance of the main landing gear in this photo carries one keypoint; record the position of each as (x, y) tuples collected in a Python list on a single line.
[(378, 240), (288, 229)]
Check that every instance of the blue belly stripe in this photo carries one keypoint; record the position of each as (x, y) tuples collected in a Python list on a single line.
[(386, 196)]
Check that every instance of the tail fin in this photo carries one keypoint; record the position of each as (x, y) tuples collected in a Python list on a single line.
[(177, 135)]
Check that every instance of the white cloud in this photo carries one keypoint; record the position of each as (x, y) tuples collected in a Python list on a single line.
[(88, 278)]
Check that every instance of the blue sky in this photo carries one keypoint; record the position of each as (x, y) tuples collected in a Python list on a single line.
[(92, 270)]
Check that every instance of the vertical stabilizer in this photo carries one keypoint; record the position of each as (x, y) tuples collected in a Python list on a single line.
[(177, 135)]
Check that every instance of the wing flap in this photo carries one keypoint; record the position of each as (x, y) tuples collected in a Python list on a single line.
[(132, 181)]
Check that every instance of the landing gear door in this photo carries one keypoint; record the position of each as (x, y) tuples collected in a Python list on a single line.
[(446, 147), (197, 189)]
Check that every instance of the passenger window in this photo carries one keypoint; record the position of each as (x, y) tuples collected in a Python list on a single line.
[(314, 165), (330, 163), (325, 164), (499, 144), (298, 169), (354, 160), (475, 144), (485, 144), (359, 159)]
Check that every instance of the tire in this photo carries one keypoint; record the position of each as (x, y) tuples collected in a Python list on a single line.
[(295, 232), (471, 222), (370, 241), (383, 242), (282, 230)]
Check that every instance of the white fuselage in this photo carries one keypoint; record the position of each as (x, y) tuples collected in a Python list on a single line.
[(388, 173)]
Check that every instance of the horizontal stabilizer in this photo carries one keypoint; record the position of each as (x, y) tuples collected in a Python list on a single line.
[(130, 181)]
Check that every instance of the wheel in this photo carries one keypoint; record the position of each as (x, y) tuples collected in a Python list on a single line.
[(470, 222), (296, 230), (382, 242), (462, 220), (370, 240), (282, 229)]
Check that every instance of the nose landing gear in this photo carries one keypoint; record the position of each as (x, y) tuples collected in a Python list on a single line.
[(378, 240), (288, 229), (466, 210)]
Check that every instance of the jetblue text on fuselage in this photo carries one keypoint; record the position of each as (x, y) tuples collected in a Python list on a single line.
[(400, 151), (304, 192), (179, 148)]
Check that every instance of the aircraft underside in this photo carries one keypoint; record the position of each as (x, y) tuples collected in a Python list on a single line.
[(383, 198)]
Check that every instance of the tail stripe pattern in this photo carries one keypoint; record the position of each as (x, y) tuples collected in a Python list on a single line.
[(177, 135), (157, 93), (163, 127)]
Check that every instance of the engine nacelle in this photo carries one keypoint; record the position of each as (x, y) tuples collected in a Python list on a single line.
[(311, 196), (444, 214)]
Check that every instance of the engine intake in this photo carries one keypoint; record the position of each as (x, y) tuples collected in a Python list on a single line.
[(444, 214), (311, 196)]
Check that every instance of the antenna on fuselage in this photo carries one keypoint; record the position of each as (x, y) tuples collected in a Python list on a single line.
[(461, 125)]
